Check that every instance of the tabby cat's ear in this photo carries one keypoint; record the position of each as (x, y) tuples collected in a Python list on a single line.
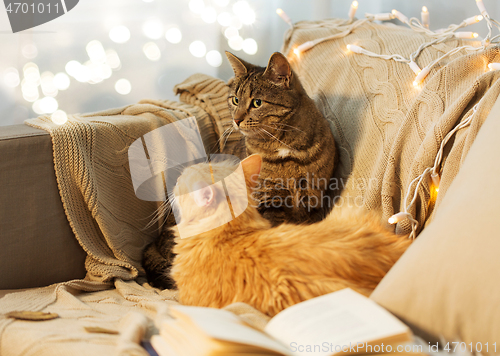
[(240, 67), (278, 70), (251, 168)]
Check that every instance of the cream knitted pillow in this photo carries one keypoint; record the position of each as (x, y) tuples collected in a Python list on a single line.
[(388, 132)]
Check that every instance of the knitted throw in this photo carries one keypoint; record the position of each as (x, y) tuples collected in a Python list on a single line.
[(109, 222), (387, 130)]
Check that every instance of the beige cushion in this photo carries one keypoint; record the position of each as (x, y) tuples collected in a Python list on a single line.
[(447, 283)]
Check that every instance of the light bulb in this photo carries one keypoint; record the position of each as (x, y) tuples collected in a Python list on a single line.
[(421, 76), (397, 218), (473, 20), (284, 16), (354, 48), (414, 67), (425, 17), (481, 8), (303, 47), (435, 180), (383, 17), (467, 35), (352, 10), (400, 16), (494, 66)]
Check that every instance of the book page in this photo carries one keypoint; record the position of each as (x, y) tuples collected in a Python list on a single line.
[(161, 347), (334, 323), (224, 325)]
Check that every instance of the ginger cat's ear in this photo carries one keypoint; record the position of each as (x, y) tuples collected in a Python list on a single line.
[(240, 67), (251, 168), (203, 194), (278, 70)]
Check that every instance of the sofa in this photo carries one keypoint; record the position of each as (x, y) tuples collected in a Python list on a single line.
[(71, 223), (32, 220)]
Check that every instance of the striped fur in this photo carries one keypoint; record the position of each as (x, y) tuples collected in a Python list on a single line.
[(290, 133)]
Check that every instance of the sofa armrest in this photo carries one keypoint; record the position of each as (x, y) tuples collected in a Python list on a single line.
[(37, 245)]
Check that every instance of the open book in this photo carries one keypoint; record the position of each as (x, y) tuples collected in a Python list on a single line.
[(343, 322)]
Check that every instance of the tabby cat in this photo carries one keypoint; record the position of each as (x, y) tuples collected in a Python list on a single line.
[(270, 268), (281, 122)]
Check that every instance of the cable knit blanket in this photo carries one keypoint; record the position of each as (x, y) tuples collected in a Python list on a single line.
[(387, 133)]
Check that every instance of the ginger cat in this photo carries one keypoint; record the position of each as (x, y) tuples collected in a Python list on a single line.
[(269, 268)]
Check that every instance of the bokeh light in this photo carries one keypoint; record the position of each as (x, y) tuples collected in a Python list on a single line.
[(72, 68), (221, 3), (47, 84), (59, 117), (214, 58), (198, 49), (209, 15), (112, 59), (29, 51), (196, 6), (244, 12), (11, 77), (152, 51), (250, 46), (224, 19), (31, 73), (123, 87), (236, 43), (173, 35), (96, 52), (231, 32), (119, 34), (153, 29), (47, 105), (61, 81)]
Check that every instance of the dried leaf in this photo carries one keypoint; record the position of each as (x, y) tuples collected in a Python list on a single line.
[(99, 330), (31, 316)]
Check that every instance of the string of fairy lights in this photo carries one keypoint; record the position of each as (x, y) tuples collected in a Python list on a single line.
[(41, 88), (431, 174)]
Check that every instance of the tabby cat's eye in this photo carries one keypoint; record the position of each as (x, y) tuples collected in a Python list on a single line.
[(235, 100), (256, 103)]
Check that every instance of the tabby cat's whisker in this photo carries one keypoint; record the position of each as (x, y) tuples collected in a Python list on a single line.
[(227, 138), (222, 137), (292, 127), (258, 131), (274, 128), (277, 139), (163, 211)]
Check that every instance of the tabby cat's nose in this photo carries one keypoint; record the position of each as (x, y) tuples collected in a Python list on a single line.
[(238, 121)]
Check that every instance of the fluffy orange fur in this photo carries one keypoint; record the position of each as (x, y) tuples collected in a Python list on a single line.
[(271, 269)]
